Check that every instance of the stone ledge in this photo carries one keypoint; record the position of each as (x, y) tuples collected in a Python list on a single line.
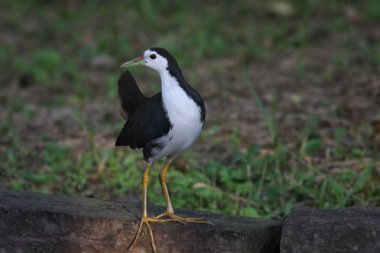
[(34, 222), (342, 230)]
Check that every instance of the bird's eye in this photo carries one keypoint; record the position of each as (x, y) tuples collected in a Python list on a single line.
[(152, 56)]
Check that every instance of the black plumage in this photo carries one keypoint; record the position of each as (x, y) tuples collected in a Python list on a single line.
[(147, 119)]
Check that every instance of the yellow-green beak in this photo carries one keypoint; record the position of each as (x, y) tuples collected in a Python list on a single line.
[(134, 62)]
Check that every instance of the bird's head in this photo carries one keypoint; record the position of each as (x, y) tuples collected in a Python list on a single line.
[(155, 58)]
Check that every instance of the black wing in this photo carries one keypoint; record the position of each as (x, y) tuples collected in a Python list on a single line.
[(129, 93), (146, 122)]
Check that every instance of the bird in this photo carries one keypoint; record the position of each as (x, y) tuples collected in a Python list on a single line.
[(164, 125)]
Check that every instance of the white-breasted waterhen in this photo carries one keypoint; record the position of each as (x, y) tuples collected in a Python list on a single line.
[(163, 125)]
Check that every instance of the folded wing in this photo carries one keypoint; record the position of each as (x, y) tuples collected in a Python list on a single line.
[(147, 119)]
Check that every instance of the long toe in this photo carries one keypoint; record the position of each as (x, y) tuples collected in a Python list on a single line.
[(188, 219), (143, 221), (176, 218)]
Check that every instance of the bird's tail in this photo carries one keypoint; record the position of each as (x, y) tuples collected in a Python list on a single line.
[(129, 93)]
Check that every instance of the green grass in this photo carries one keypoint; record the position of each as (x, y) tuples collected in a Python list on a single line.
[(250, 180), (253, 184)]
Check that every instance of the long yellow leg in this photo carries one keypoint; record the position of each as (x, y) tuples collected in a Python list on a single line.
[(144, 218), (162, 177), (169, 208)]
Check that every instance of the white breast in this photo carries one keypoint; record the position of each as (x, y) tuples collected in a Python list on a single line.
[(184, 115)]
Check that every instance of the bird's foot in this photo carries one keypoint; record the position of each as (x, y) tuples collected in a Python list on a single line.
[(144, 220), (172, 217), (176, 218)]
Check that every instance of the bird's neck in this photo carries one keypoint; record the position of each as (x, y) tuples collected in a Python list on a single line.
[(175, 90), (170, 80), (170, 86), (180, 106)]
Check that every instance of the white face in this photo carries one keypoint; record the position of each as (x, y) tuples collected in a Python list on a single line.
[(155, 61)]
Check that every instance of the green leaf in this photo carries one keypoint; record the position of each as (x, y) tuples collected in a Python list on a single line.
[(249, 211)]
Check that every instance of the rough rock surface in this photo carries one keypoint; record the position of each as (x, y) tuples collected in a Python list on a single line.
[(342, 230), (33, 222)]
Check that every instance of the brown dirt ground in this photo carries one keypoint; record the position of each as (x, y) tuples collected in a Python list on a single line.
[(339, 98)]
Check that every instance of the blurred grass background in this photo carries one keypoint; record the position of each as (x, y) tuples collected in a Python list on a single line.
[(292, 93)]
